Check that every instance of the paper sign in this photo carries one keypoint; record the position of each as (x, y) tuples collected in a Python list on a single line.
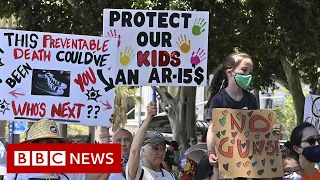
[(312, 110), (159, 48), (246, 145), (56, 76)]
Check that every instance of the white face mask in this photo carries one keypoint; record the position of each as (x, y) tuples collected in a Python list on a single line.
[(293, 176)]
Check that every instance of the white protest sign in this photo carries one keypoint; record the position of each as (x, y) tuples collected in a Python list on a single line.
[(312, 110), (56, 76), (158, 48)]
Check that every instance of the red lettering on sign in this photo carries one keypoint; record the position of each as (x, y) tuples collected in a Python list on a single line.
[(158, 58), (34, 55), (85, 78), (242, 146), (65, 110), (29, 109), (255, 118), (229, 153), (235, 123)]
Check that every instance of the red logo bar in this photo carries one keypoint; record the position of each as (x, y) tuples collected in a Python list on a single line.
[(64, 158)]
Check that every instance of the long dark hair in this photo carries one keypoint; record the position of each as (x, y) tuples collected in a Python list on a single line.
[(296, 138), (220, 80)]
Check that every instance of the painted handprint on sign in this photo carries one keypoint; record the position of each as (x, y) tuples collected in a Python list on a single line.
[(198, 27), (198, 57), (184, 44), (114, 35), (126, 56)]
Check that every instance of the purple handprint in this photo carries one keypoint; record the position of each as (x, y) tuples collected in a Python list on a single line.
[(114, 35), (198, 57)]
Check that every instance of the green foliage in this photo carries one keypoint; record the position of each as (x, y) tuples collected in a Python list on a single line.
[(286, 114), (74, 129)]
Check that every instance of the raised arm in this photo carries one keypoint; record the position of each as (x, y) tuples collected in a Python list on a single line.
[(134, 157)]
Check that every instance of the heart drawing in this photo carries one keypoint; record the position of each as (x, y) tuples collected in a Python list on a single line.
[(246, 164), (250, 113), (223, 132), (254, 164), (239, 164), (267, 135), (223, 121), (226, 166), (263, 162), (250, 157), (274, 169), (261, 171), (239, 116), (233, 141), (257, 136), (249, 173), (218, 134), (271, 161), (246, 133), (270, 116), (225, 112), (234, 134)]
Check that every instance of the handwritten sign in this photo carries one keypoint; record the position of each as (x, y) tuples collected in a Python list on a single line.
[(246, 145), (312, 110), (167, 48), (55, 76)]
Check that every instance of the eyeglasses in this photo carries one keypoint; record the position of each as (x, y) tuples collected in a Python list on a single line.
[(288, 171), (158, 149), (312, 140)]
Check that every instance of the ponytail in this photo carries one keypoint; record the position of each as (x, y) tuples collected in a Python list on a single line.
[(218, 82)]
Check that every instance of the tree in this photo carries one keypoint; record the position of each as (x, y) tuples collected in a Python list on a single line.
[(286, 114)]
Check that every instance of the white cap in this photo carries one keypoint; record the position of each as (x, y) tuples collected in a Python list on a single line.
[(3, 159)]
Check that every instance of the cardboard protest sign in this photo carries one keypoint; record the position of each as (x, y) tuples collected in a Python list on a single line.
[(312, 110), (246, 144), (56, 76), (167, 48)]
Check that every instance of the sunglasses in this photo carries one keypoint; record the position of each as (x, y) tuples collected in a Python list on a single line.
[(312, 140)]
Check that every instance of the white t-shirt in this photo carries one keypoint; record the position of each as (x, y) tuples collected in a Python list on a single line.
[(144, 173), (116, 176), (56, 176)]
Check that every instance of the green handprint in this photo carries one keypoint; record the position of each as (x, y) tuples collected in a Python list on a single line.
[(197, 28)]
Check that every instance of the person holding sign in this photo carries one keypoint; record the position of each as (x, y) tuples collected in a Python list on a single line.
[(234, 75), (152, 146), (305, 145)]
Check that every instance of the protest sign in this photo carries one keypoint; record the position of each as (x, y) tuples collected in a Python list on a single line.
[(312, 110), (246, 145), (167, 48), (55, 76)]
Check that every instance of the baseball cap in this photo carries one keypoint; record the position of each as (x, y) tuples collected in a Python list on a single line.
[(3, 159), (154, 138)]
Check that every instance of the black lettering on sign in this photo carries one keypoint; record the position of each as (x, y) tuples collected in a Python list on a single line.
[(151, 16), (154, 76), (154, 39), (76, 58), (139, 19), (199, 75), (126, 19), (186, 17), (114, 16), (171, 20), (18, 74), (184, 75), (132, 77), (162, 20), (22, 40), (166, 75)]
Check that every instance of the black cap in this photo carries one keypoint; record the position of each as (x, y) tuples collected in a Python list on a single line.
[(154, 138)]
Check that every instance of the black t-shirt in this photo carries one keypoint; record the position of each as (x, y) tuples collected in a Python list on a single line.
[(169, 159), (223, 100)]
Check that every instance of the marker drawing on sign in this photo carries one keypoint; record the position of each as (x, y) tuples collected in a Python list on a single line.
[(197, 57), (113, 34), (96, 111), (107, 105), (16, 94), (4, 106), (198, 27), (184, 44), (85, 79), (93, 94)]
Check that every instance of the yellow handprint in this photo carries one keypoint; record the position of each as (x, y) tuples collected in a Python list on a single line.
[(184, 44), (126, 57)]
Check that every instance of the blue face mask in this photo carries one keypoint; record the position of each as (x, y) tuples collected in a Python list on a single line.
[(293, 176), (312, 154)]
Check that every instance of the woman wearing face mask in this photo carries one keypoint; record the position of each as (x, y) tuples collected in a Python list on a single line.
[(234, 75), (304, 144)]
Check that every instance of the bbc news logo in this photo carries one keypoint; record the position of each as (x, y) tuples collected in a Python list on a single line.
[(64, 158)]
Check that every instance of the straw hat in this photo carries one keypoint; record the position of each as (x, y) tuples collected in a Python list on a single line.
[(43, 129), (3, 159)]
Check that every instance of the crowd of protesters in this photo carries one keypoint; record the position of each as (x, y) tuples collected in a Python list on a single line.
[(149, 156)]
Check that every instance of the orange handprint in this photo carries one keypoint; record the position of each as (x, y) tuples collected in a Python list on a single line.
[(184, 44)]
